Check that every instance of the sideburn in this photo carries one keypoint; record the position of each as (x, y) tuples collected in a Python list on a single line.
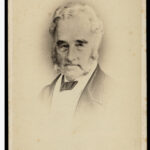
[(57, 59)]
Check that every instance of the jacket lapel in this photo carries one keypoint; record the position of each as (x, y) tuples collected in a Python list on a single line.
[(92, 96), (48, 90)]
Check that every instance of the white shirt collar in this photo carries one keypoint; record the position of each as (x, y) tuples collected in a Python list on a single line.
[(68, 99)]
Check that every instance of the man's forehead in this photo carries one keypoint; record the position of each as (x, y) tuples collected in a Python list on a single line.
[(77, 27)]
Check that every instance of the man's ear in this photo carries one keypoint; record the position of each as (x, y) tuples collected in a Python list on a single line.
[(54, 55), (94, 54), (96, 47)]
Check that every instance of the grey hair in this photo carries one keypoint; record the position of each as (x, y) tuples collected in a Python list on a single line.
[(72, 9)]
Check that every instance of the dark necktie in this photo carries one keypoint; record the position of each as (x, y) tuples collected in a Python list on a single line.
[(67, 85)]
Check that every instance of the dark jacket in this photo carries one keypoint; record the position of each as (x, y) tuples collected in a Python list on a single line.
[(93, 95)]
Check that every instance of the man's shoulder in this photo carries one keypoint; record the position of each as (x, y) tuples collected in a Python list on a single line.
[(100, 86), (48, 89), (99, 78)]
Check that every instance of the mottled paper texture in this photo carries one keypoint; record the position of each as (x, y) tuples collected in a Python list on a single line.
[(121, 123)]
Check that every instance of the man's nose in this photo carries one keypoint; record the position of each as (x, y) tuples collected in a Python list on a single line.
[(71, 53)]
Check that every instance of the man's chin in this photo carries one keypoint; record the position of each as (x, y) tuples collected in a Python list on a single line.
[(72, 75)]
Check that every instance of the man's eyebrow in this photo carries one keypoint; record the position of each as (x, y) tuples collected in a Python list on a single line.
[(82, 41), (59, 42)]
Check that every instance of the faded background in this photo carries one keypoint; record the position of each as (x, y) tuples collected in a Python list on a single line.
[(30, 68)]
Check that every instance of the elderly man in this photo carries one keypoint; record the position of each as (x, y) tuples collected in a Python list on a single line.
[(79, 87)]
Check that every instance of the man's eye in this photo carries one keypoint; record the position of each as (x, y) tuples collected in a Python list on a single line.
[(62, 47), (79, 44)]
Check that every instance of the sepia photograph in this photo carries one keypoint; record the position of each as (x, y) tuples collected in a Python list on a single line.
[(77, 75)]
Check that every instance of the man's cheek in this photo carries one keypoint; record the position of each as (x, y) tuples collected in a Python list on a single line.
[(60, 59), (83, 61)]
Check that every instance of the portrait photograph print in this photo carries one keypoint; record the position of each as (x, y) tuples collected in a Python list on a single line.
[(77, 74)]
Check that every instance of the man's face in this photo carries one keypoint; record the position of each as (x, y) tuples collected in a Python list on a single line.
[(74, 46)]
